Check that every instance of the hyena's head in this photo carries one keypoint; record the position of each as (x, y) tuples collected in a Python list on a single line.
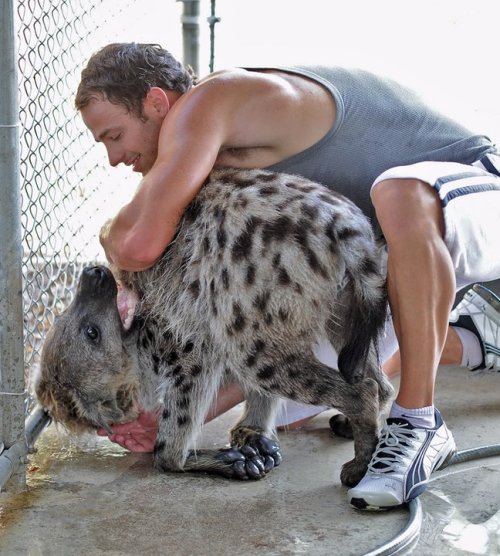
[(88, 367)]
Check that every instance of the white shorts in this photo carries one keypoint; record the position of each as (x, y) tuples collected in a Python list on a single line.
[(470, 197)]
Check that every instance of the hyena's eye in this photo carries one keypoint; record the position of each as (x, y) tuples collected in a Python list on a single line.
[(92, 332)]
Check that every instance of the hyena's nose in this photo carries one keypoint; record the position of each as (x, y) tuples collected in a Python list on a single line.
[(97, 274)]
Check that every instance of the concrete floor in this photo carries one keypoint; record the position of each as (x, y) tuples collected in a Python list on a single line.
[(89, 497)]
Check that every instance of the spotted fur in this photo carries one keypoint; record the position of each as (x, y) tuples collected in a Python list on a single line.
[(262, 267)]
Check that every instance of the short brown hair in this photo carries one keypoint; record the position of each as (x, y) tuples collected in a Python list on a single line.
[(123, 73)]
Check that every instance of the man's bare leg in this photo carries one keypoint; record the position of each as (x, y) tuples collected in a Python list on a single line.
[(421, 290)]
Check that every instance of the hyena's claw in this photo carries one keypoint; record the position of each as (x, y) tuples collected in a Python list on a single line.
[(230, 456), (263, 452), (265, 446), (241, 463)]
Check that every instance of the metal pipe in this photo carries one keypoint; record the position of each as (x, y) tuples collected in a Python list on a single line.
[(190, 20), (12, 387), (15, 456)]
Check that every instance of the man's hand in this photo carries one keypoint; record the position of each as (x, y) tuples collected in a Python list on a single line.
[(136, 436), (103, 238)]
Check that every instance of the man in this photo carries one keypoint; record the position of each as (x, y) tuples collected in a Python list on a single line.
[(430, 186)]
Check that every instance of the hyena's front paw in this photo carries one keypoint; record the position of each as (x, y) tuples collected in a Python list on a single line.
[(266, 448), (242, 463), (352, 472)]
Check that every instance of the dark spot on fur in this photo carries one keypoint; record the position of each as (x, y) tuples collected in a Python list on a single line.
[(188, 348), (196, 370), (268, 319), (225, 278), (266, 191), (165, 414), (220, 217), (159, 446), (331, 234), (347, 233), (311, 211), (194, 288), (276, 260), (239, 321), (309, 383), (183, 403), (156, 363), (283, 277), (183, 420), (301, 231), (240, 203), (298, 288), (328, 198), (221, 237), (206, 245), (179, 380), (369, 266), (277, 230), (192, 211), (283, 315), (265, 177), (241, 181), (250, 275), (177, 370), (172, 357), (266, 373), (261, 300), (257, 348), (242, 245), (186, 388)]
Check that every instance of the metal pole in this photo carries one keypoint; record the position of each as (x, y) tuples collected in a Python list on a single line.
[(12, 386), (190, 20), (212, 20)]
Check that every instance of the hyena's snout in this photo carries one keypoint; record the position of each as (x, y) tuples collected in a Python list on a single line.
[(97, 280)]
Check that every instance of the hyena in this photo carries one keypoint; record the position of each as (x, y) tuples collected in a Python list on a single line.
[(263, 266)]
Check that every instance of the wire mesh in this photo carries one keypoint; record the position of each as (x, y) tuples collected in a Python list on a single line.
[(65, 184)]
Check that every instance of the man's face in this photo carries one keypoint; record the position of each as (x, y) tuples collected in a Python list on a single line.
[(128, 139)]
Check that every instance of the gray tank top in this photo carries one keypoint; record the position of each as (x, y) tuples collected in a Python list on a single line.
[(379, 125)]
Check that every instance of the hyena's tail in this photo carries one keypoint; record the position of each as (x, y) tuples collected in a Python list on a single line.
[(364, 323)]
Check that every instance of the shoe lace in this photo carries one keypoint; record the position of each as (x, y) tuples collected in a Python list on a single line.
[(394, 444)]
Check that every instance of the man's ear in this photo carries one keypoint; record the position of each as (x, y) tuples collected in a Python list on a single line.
[(156, 103)]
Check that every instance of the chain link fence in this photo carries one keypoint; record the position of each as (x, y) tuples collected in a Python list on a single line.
[(67, 190)]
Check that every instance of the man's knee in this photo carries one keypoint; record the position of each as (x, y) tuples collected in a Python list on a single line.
[(407, 207)]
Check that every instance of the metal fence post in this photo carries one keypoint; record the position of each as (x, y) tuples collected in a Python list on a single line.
[(190, 20), (12, 385)]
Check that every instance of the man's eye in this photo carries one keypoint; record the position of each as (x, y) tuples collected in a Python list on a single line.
[(116, 137), (92, 332)]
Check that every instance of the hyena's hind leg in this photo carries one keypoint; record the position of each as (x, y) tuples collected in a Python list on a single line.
[(254, 433), (305, 379)]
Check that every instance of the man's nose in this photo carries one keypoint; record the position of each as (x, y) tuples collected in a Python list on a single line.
[(115, 157)]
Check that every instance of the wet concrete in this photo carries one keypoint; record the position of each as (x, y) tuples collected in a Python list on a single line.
[(89, 497)]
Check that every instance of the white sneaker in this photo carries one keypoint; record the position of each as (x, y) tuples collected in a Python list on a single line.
[(479, 312), (402, 463)]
